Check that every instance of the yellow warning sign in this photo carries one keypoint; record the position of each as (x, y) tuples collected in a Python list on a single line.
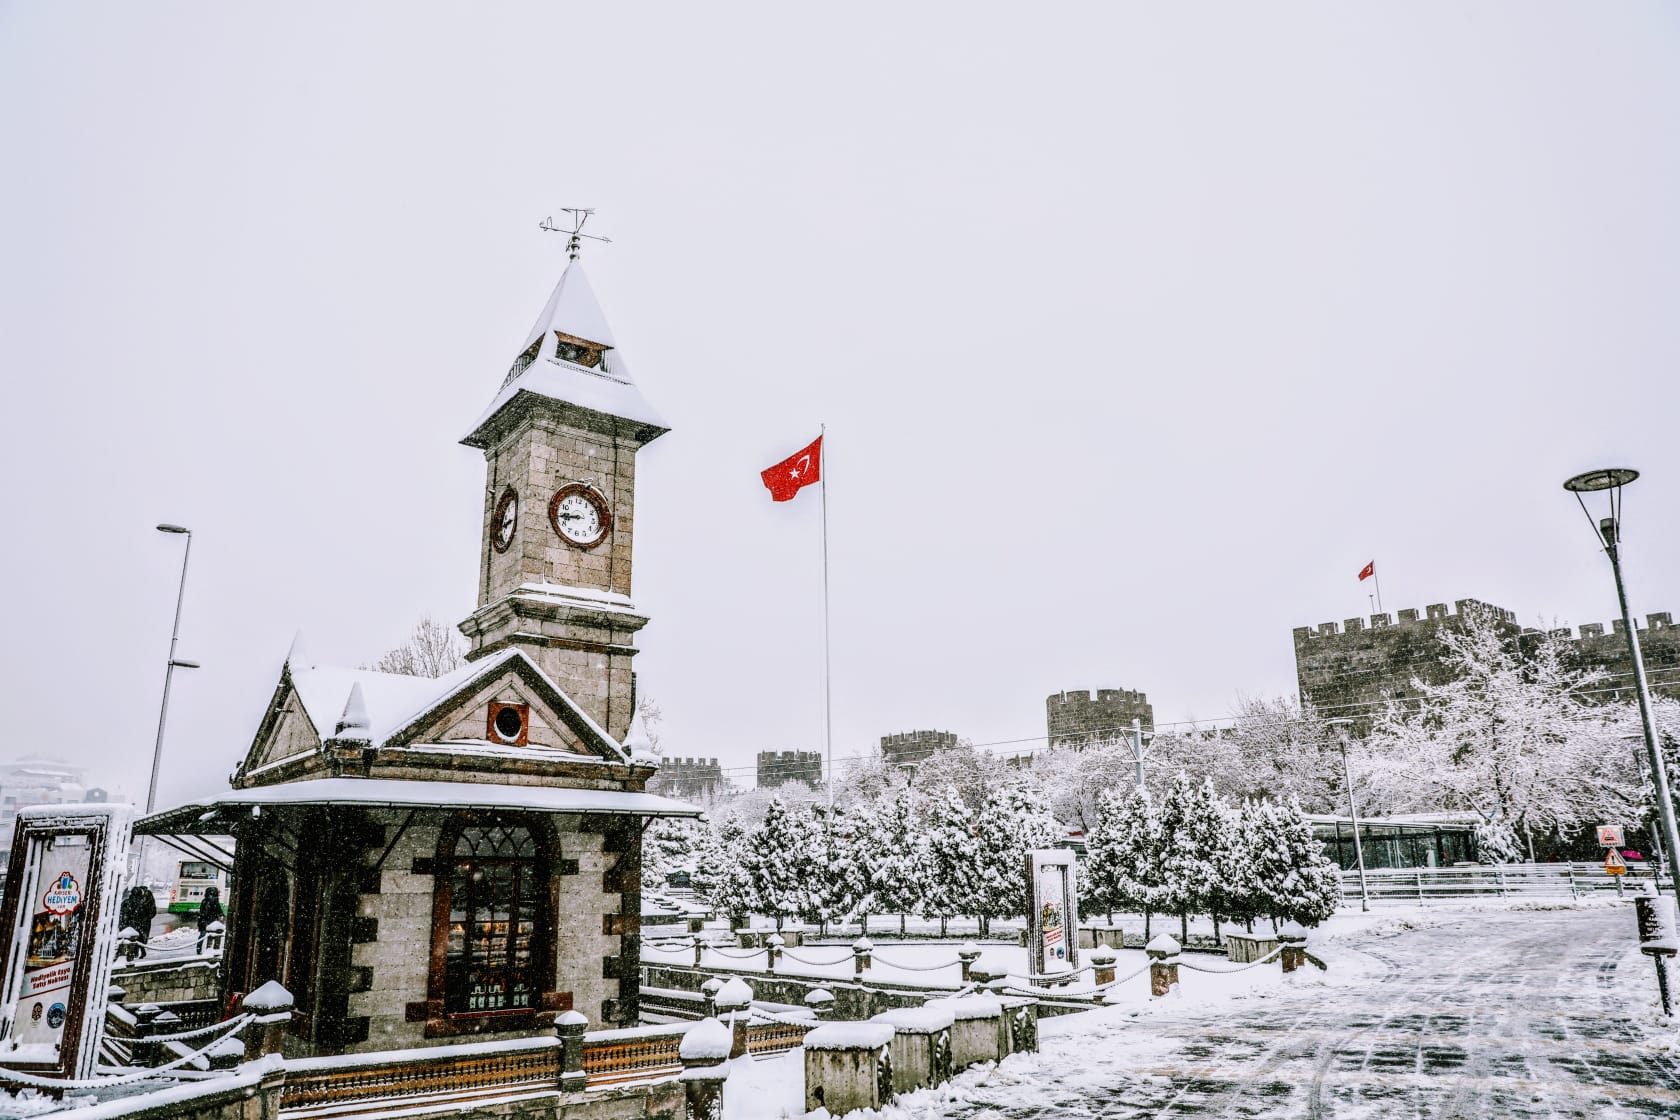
[(1614, 864)]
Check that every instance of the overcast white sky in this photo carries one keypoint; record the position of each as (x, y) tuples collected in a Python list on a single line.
[(1138, 329)]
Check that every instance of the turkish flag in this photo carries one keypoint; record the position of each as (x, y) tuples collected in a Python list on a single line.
[(797, 471), (1368, 571)]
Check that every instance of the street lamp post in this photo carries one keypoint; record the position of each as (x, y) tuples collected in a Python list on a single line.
[(1341, 726), (1609, 531), (174, 663)]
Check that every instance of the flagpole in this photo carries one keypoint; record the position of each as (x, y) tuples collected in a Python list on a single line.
[(1376, 579), (828, 706)]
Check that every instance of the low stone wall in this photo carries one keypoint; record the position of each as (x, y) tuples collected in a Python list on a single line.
[(167, 981)]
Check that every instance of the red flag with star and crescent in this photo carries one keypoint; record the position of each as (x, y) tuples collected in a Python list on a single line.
[(1368, 571), (794, 473)]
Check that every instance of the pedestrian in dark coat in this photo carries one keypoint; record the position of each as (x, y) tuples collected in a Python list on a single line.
[(139, 907), (209, 911)]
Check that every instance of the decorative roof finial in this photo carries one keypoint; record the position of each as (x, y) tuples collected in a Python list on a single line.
[(574, 244)]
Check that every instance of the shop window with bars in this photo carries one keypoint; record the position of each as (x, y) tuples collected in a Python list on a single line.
[(494, 897)]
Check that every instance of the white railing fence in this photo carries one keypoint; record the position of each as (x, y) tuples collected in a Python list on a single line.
[(1509, 880)]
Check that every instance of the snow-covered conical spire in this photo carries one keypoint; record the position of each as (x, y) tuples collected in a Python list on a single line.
[(638, 744), (297, 658), (570, 356), (354, 724)]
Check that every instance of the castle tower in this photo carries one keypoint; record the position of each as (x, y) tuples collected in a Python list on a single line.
[(560, 441)]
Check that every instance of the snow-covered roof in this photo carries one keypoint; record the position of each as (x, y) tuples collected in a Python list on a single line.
[(608, 389), (390, 701), (405, 793)]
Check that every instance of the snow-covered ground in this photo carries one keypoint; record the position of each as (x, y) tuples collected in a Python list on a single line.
[(1495, 1010)]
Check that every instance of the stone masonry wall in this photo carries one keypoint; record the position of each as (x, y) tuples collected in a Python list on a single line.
[(1079, 718), (777, 768), (393, 933)]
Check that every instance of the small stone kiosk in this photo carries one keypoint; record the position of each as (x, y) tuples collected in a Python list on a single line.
[(428, 860)]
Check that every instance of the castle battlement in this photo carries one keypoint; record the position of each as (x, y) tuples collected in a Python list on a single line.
[(1432, 614)]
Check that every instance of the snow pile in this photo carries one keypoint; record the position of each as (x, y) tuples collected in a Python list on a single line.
[(706, 1039), (849, 1036)]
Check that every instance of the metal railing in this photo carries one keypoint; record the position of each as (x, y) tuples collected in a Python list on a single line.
[(1508, 880)]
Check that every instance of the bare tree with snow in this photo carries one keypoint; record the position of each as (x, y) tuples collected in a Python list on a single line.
[(432, 650)]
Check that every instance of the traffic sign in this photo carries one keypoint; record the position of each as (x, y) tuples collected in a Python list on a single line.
[(1610, 835), (1614, 864)]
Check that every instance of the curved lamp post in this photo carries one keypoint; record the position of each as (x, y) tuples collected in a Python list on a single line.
[(1609, 531), (174, 663)]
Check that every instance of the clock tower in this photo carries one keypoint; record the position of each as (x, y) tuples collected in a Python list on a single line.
[(560, 441)]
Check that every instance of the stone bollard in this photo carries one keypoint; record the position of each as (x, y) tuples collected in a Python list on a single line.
[(1292, 938), (772, 951), (703, 1051), (699, 950), (710, 990), (226, 1054), (1163, 964), (215, 935), (271, 1006), (733, 1001), (569, 1026), (921, 1045), (1102, 965), (129, 945), (976, 1029), (848, 1066), (861, 950), (821, 1001), (968, 952)]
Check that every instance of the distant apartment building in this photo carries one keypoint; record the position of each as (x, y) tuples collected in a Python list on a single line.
[(39, 781)]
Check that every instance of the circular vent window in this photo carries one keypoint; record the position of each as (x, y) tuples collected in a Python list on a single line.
[(509, 724)]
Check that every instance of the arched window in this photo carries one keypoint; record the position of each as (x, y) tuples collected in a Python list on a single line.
[(496, 904)]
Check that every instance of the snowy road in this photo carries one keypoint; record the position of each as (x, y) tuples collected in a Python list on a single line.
[(1517, 1015)]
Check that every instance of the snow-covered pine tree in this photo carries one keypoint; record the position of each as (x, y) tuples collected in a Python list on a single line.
[(670, 847), (836, 886), (1189, 831), (1129, 853), (1227, 855), (1239, 879), (777, 859), (948, 826), (900, 858), (719, 876), (1011, 823), (1296, 880)]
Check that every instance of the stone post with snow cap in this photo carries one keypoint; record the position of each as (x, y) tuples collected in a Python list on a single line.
[(570, 1026), (967, 953), (820, 1001), (271, 1009), (848, 1066), (773, 951), (1102, 965), (1292, 938), (710, 990), (703, 1051), (733, 1001), (1163, 964), (862, 949)]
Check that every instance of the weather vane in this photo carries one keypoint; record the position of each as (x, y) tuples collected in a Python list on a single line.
[(574, 243)]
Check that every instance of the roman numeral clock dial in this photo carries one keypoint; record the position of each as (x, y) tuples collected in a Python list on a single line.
[(580, 515)]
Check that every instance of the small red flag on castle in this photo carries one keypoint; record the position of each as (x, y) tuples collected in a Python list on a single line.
[(794, 473), (1368, 571)]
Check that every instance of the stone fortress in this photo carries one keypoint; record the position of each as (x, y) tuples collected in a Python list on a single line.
[(688, 778), (1351, 669), (1078, 719), (778, 768), (909, 749)]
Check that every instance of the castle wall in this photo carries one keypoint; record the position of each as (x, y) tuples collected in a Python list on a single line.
[(777, 768), (687, 777), (1353, 668), (911, 748), (1080, 718)]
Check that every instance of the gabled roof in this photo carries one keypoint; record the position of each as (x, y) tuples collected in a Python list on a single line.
[(608, 389)]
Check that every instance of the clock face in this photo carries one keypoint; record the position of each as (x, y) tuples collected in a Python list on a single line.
[(504, 521), (579, 514)]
